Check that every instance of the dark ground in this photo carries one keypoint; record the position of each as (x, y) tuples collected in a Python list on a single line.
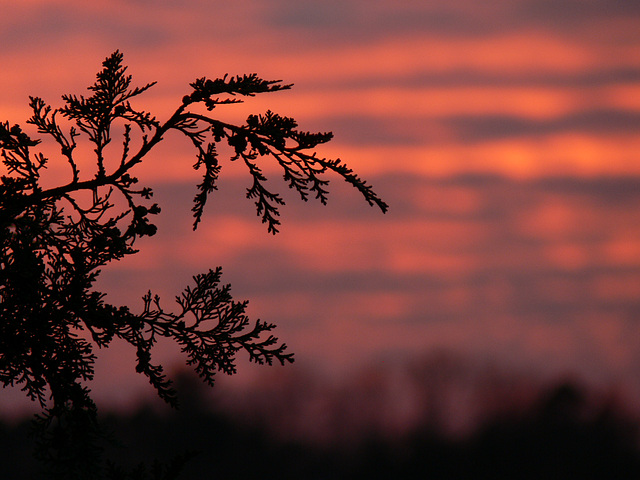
[(559, 437)]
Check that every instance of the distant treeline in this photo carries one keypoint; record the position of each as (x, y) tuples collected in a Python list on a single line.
[(559, 436)]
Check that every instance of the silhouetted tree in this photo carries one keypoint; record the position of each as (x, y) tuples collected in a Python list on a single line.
[(55, 239)]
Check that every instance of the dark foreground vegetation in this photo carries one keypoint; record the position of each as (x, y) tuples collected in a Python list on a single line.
[(57, 233), (558, 436)]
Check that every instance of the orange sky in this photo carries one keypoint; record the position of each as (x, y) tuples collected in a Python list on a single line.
[(504, 135)]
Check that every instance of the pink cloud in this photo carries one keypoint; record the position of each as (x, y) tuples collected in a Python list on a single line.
[(480, 252)]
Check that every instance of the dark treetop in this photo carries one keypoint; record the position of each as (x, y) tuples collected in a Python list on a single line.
[(54, 240)]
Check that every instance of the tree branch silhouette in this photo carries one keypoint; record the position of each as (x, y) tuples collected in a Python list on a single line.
[(55, 240)]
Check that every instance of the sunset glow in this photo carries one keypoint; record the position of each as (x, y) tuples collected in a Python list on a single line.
[(503, 134)]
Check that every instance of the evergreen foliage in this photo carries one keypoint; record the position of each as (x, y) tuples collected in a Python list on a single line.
[(55, 239)]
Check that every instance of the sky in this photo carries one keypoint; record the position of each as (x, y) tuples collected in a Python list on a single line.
[(503, 134)]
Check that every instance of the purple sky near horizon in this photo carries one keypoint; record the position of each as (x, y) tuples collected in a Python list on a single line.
[(503, 134)]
